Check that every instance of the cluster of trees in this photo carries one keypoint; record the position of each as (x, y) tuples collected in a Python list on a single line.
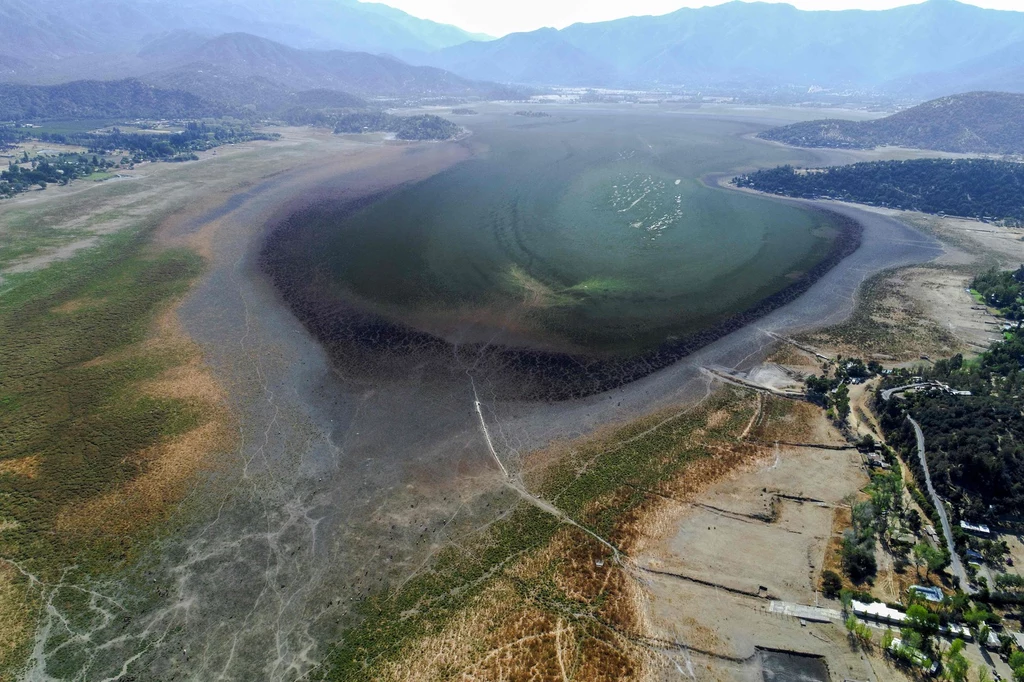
[(975, 443), (972, 188), (196, 137), (859, 544), (426, 127), (43, 172), (1002, 290), (832, 392), (133, 148), (10, 136)]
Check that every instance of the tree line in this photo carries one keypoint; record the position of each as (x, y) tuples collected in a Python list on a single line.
[(971, 188), (425, 127)]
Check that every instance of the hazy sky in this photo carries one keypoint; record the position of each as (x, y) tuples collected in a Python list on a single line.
[(498, 17)]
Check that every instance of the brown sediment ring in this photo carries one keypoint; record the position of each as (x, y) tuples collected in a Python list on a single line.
[(341, 326)]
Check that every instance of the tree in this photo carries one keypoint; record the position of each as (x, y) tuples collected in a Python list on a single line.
[(858, 557), (1017, 664), (831, 584), (926, 555), (922, 620), (914, 521), (956, 666)]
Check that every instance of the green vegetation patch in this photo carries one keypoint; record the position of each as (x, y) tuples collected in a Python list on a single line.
[(71, 418)]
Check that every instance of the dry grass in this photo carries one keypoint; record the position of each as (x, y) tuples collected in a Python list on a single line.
[(841, 522), (16, 610), (887, 325), (568, 611), (527, 624), (27, 467)]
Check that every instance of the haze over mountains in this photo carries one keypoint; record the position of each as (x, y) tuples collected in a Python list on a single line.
[(939, 43), (260, 53), (62, 28)]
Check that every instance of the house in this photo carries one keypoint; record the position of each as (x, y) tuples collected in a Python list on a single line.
[(882, 613), (932, 594), (974, 556), (978, 529), (877, 462)]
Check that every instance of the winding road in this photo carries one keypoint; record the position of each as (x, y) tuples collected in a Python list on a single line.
[(955, 564)]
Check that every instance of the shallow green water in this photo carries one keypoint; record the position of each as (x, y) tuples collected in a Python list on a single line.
[(588, 233)]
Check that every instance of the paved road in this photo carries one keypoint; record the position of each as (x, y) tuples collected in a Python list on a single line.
[(955, 564), (888, 393)]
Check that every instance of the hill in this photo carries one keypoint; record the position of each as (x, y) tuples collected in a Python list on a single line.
[(125, 99), (746, 44), (238, 57), (981, 122)]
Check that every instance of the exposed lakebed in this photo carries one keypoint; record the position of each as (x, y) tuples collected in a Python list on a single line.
[(567, 257)]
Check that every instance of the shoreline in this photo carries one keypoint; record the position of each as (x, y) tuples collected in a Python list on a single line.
[(346, 330), (331, 468)]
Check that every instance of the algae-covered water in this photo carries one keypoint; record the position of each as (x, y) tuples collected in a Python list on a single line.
[(579, 233)]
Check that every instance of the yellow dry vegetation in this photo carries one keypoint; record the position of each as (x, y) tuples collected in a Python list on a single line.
[(22, 466), (15, 613), (169, 467), (526, 625)]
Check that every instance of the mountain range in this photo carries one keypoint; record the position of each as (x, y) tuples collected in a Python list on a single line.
[(936, 45), (56, 29), (260, 53), (243, 73), (978, 122)]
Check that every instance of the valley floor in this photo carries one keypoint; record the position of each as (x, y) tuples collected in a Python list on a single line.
[(273, 529)]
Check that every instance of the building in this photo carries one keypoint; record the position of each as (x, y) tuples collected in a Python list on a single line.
[(932, 594), (882, 613), (978, 529)]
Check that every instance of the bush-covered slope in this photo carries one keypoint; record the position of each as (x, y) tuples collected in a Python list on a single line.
[(123, 99), (982, 122)]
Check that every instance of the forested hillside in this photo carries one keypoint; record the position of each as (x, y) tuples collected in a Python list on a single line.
[(125, 99), (975, 443), (978, 122), (972, 188)]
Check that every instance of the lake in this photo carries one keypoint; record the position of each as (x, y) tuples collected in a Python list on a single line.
[(576, 251)]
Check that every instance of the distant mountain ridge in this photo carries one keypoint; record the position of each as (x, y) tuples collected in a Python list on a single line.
[(50, 29), (978, 122), (252, 75), (753, 43), (242, 56)]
